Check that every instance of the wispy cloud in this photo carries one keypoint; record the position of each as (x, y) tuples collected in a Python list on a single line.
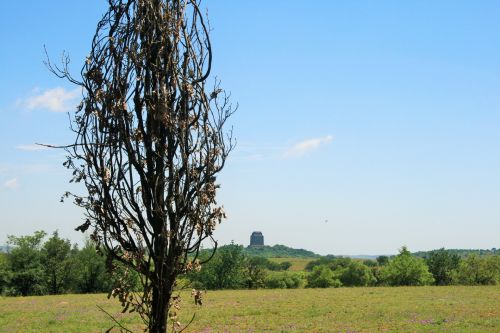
[(255, 151), (306, 146), (31, 147), (55, 100), (11, 184)]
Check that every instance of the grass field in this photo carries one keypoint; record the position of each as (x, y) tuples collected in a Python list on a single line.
[(402, 309)]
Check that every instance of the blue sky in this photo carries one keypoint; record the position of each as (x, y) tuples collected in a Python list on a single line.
[(362, 126)]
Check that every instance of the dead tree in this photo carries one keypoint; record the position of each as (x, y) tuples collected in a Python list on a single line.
[(150, 141)]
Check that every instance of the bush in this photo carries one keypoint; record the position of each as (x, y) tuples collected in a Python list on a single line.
[(284, 280), (226, 270), (406, 270), (475, 270), (442, 264), (332, 262), (382, 260), (370, 263), (268, 264), (285, 265), (356, 274), (322, 277), (256, 272), (378, 278)]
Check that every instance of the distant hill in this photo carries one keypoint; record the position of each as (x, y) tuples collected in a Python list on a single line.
[(460, 252), (283, 251), (279, 251), (362, 256)]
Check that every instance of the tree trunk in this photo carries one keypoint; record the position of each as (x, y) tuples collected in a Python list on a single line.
[(159, 310)]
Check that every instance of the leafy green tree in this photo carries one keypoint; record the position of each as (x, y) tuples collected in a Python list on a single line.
[(322, 277), (356, 274), (285, 265), (5, 273), (92, 275), (442, 264), (334, 263), (262, 262), (478, 270), (493, 266), (226, 270), (378, 277), (407, 270), (24, 261), (268, 264), (256, 272), (55, 255), (370, 263), (382, 260), (321, 261), (228, 267)]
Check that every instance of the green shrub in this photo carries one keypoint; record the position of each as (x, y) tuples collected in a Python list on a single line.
[(226, 270), (476, 270), (332, 262), (442, 264), (356, 274), (406, 270), (284, 280), (322, 277)]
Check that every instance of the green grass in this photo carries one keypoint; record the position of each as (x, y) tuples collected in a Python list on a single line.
[(397, 309), (298, 264)]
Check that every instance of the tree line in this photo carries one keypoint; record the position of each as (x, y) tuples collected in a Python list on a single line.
[(461, 252), (37, 267), (231, 269)]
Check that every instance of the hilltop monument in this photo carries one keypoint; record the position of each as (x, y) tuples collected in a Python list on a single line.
[(257, 239)]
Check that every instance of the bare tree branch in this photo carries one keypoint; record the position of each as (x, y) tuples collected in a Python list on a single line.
[(150, 142)]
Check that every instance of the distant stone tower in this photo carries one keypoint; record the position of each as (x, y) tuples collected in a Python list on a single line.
[(257, 239)]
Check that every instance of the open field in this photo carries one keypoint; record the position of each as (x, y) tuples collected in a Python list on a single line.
[(395, 309)]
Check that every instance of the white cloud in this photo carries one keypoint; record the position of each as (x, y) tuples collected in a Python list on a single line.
[(11, 184), (308, 145), (252, 151), (31, 147), (55, 100)]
